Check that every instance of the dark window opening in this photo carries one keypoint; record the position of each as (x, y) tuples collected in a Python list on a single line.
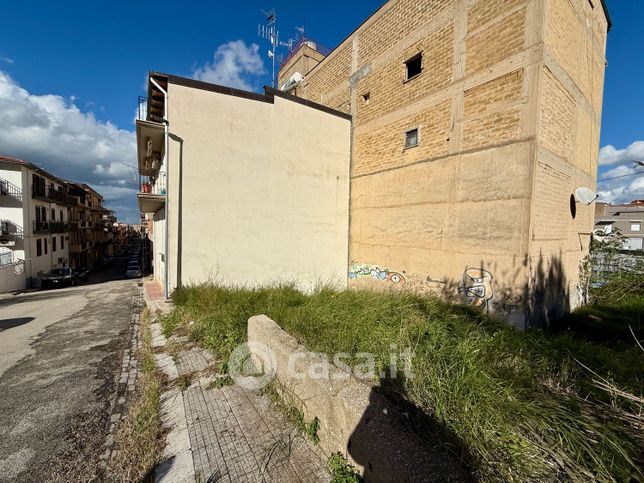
[(46, 245), (366, 97), (414, 66), (53, 244), (38, 247), (411, 138), (62, 242)]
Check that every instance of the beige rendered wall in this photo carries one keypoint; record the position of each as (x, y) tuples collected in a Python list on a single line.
[(265, 190), (457, 213)]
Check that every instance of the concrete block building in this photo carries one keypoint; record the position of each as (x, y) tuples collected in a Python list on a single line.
[(243, 188), (473, 122)]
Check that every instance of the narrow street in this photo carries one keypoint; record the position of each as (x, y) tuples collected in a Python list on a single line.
[(60, 356)]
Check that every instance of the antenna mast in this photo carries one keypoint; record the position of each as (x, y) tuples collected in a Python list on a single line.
[(269, 32)]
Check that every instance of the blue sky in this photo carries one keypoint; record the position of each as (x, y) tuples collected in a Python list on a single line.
[(74, 70)]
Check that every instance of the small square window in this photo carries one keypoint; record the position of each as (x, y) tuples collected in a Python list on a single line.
[(414, 66), (636, 226), (411, 138)]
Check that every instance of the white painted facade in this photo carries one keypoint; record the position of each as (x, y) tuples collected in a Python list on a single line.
[(18, 213)]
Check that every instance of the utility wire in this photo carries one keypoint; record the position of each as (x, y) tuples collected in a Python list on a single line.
[(622, 176)]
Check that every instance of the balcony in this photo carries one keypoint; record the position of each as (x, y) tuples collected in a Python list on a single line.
[(150, 132), (53, 195), (151, 198), (45, 226), (9, 192), (10, 233)]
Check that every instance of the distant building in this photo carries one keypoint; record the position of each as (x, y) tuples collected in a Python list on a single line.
[(43, 220), (628, 218)]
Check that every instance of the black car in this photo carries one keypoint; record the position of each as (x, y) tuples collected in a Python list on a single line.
[(80, 275), (58, 277)]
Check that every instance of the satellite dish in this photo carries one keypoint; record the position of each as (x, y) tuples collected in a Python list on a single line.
[(585, 195)]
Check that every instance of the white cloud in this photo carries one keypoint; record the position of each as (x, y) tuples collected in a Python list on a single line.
[(622, 183), (53, 132), (8, 60), (235, 64), (610, 155)]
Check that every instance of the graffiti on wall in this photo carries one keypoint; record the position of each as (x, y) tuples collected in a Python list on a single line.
[(375, 272), (477, 287), (509, 305)]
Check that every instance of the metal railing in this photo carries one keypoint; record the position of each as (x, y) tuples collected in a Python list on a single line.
[(46, 226), (7, 188), (50, 194), (10, 232), (155, 185), (304, 40), (149, 109)]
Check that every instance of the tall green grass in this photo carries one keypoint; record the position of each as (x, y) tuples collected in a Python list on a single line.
[(513, 407)]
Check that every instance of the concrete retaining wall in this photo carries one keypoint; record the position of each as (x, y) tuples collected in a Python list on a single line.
[(355, 419)]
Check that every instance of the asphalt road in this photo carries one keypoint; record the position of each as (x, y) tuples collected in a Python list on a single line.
[(60, 354)]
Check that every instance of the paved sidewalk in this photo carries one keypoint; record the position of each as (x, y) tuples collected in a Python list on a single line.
[(237, 436)]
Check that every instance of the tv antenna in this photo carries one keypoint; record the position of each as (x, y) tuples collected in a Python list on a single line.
[(269, 32)]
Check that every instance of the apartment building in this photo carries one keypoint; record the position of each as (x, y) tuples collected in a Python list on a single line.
[(242, 188), (628, 218), (47, 222), (34, 223), (473, 122)]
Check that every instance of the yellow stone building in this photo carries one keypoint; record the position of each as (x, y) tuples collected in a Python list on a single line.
[(473, 122)]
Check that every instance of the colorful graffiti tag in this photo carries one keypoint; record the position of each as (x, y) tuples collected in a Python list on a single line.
[(477, 287), (375, 272)]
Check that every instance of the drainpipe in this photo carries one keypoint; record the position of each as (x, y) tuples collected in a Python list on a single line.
[(166, 161)]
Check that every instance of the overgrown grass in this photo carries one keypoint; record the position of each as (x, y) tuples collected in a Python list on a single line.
[(138, 438), (285, 403), (512, 406)]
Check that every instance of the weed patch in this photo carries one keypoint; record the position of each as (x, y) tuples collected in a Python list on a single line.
[(512, 406), (342, 471), (138, 437)]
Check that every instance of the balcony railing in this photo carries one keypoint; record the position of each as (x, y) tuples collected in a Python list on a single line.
[(149, 109), (155, 185), (45, 226), (50, 194), (8, 189), (10, 232)]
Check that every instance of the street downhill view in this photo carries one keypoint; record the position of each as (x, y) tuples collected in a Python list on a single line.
[(387, 241)]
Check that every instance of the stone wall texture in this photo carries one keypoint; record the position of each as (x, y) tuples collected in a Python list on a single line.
[(508, 108)]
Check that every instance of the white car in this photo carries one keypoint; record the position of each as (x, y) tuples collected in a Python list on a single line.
[(133, 272)]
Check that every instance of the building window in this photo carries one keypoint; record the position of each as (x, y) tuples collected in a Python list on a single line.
[(636, 226), (414, 66), (366, 97), (38, 247), (53, 244), (53, 214), (411, 138), (62, 242), (46, 242), (61, 216)]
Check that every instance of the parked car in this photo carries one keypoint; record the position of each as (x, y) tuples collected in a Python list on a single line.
[(133, 271), (58, 277), (81, 275)]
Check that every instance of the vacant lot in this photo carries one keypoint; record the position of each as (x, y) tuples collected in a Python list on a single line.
[(509, 406)]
